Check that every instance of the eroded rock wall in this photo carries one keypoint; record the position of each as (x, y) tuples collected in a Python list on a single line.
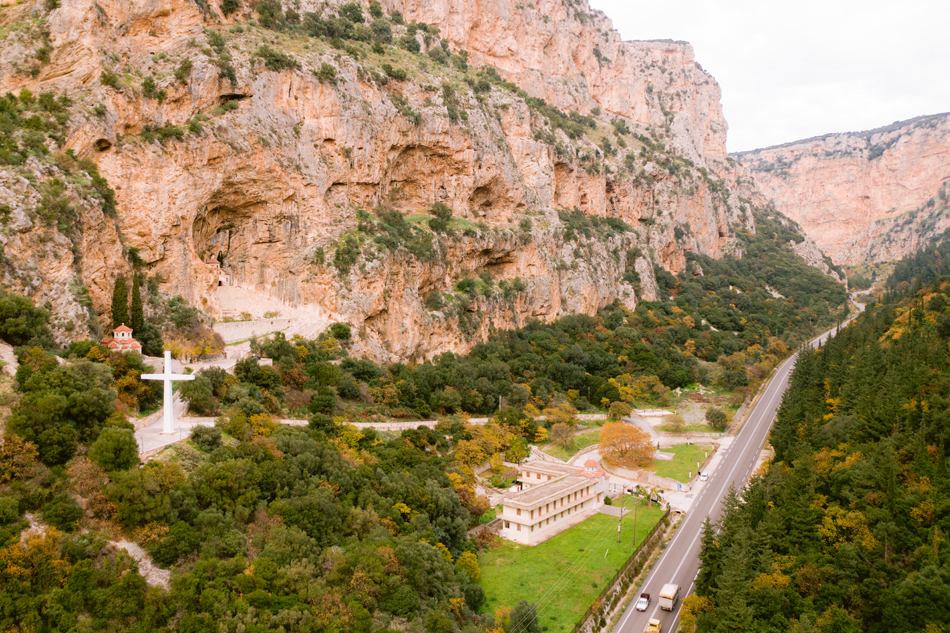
[(864, 197), (570, 55), (260, 180)]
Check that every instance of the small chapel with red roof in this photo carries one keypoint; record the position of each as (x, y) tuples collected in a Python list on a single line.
[(121, 340)]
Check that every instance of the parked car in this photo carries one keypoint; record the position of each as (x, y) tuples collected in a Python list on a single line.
[(643, 602), (703, 476)]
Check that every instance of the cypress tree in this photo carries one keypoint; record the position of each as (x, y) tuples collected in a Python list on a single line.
[(137, 314), (120, 303)]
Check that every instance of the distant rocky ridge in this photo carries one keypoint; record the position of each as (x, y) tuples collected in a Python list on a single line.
[(864, 197)]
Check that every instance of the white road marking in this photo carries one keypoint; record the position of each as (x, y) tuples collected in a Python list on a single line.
[(777, 387), (630, 612)]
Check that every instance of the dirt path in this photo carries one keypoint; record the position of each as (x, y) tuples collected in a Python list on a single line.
[(153, 574), (8, 394), (9, 358)]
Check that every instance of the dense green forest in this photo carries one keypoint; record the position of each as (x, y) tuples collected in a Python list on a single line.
[(719, 323), (847, 529), (923, 267), (290, 530), (328, 527), (268, 528)]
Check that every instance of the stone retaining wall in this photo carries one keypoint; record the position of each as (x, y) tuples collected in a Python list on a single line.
[(412, 424), (584, 451), (494, 527), (537, 453), (242, 330), (148, 420), (157, 363)]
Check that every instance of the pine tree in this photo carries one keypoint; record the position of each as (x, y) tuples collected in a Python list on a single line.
[(797, 496), (120, 303), (137, 314), (710, 557), (732, 609), (733, 517)]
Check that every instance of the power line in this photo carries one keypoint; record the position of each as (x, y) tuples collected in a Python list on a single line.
[(561, 583)]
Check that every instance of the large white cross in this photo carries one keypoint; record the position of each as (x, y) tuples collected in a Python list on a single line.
[(167, 376)]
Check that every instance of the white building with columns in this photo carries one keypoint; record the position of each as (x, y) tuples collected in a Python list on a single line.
[(551, 495)]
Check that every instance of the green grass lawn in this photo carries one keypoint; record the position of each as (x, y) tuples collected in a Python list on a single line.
[(149, 410), (545, 574), (685, 461), (490, 515), (689, 428), (580, 442)]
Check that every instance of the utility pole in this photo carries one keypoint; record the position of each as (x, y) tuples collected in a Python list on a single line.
[(623, 502), (636, 502)]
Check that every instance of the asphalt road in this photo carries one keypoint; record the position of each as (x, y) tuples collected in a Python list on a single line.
[(679, 562)]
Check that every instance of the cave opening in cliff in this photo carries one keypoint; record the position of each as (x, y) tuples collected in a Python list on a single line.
[(221, 241), (489, 196), (222, 266), (410, 177), (231, 96), (481, 200)]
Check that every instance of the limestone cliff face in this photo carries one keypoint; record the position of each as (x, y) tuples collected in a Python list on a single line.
[(59, 269), (865, 197), (390, 293), (259, 179), (571, 56)]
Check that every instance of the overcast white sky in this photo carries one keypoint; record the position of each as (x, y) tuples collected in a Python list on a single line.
[(791, 70)]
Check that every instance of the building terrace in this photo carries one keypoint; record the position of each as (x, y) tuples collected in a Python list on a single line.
[(553, 496)]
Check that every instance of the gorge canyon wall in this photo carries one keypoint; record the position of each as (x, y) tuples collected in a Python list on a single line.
[(863, 197), (267, 156)]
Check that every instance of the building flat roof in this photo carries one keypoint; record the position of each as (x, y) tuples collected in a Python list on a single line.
[(536, 496), (550, 468)]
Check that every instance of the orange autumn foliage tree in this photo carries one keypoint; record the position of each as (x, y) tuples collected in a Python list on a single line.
[(35, 563), (17, 456), (624, 445)]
